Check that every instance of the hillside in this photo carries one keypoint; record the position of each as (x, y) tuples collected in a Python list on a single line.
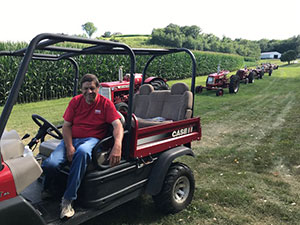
[(134, 41)]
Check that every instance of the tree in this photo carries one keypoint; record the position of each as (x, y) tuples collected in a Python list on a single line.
[(288, 56), (89, 28), (106, 34), (192, 31)]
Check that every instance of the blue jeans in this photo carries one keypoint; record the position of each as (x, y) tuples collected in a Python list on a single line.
[(81, 159)]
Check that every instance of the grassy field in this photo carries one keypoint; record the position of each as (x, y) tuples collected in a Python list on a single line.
[(247, 164), (137, 41)]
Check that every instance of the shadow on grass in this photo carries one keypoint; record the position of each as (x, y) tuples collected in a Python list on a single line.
[(290, 65), (138, 211)]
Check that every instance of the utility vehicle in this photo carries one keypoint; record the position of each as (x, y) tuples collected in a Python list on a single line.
[(148, 152), (218, 81)]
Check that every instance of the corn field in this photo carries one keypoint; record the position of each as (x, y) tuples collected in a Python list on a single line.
[(47, 80)]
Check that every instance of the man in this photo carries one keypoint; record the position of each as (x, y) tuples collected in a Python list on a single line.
[(86, 120)]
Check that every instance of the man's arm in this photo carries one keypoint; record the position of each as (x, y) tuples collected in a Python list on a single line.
[(115, 155), (67, 135)]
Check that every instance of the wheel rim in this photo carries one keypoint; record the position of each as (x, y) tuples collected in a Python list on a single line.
[(181, 189), (236, 88)]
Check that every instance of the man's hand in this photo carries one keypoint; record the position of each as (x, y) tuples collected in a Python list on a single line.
[(116, 152), (67, 134), (115, 155), (70, 153)]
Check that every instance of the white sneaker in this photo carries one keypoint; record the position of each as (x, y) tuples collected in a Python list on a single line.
[(66, 209)]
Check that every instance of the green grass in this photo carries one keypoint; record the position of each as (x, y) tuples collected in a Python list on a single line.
[(138, 41), (247, 165)]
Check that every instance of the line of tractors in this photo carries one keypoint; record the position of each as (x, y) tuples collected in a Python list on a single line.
[(219, 81), (118, 91)]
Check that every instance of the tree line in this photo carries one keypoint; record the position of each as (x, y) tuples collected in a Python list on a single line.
[(192, 37)]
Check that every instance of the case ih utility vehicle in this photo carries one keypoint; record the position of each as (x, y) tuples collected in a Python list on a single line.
[(148, 154), (219, 81)]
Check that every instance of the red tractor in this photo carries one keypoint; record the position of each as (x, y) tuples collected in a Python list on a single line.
[(245, 76), (268, 68), (151, 153), (257, 73), (219, 81), (118, 91)]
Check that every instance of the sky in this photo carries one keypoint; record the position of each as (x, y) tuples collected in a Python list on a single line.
[(22, 20)]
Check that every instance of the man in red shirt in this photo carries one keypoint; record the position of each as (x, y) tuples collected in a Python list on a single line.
[(86, 120)]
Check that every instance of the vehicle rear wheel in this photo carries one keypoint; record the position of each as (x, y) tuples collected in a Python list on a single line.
[(178, 189), (251, 78), (234, 84), (122, 107), (159, 84)]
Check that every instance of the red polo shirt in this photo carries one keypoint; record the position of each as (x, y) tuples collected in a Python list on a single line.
[(90, 120)]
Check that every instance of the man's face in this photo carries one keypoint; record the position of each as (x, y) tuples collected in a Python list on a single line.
[(89, 91)]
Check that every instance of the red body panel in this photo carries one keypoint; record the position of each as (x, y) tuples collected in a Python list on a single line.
[(221, 73), (119, 90), (123, 84), (7, 184), (220, 80), (155, 139)]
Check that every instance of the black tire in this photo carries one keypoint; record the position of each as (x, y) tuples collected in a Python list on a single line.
[(159, 84), (234, 84), (122, 107), (177, 191), (255, 75), (199, 89), (270, 72), (251, 77), (219, 92)]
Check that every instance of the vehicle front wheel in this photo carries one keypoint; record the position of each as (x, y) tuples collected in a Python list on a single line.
[(178, 189), (220, 92)]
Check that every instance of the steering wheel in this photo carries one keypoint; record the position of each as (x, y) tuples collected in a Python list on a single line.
[(46, 127)]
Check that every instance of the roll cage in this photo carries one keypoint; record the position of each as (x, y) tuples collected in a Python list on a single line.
[(43, 47)]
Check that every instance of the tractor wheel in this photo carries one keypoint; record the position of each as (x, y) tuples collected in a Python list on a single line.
[(234, 84), (178, 189), (199, 89), (255, 75), (251, 78), (122, 107), (159, 84), (220, 92)]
